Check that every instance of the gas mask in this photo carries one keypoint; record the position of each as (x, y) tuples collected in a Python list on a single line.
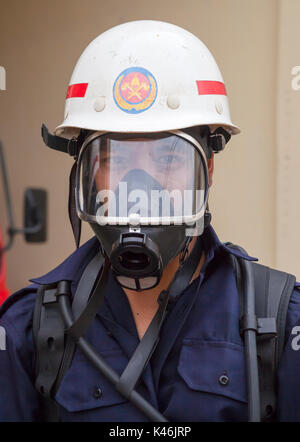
[(145, 197)]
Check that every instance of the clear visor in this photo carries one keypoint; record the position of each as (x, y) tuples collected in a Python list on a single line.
[(141, 180)]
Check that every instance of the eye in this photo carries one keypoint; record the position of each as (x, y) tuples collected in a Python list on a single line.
[(114, 161), (172, 159)]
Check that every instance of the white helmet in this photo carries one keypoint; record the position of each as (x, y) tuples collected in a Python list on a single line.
[(145, 76)]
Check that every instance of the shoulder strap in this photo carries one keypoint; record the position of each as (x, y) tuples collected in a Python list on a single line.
[(80, 300), (48, 333), (273, 290), (278, 286), (55, 350)]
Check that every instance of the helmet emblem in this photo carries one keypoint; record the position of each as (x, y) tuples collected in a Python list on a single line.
[(135, 90)]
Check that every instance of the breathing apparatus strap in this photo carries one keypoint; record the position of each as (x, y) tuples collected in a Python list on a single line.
[(186, 270), (49, 329), (273, 290), (72, 147), (90, 281), (211, 141), (147, 345), (74, 219), (142, 354), (80, 326), (145, 349), (48, 333)]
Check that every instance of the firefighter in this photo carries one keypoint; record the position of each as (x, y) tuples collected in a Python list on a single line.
[(142, 322)]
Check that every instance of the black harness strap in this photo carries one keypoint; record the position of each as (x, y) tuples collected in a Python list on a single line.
[(50, 411), (80, 326), (272, 294), (50, 340), (141, 356), (72, 147), (287, 290), (86, 284), (54, 352), (73, 217), (273, 290), (84, 288)]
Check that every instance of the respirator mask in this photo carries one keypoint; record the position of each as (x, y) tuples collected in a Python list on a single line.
[(145, 197)]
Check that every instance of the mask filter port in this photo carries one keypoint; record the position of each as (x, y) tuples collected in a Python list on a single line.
[(135, 254), (134, 261)]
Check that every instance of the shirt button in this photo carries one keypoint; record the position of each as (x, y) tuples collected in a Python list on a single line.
[(224, 380), (97, 393)]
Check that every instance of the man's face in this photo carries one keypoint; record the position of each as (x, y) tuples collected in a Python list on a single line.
[(171, 163), (156, 176)]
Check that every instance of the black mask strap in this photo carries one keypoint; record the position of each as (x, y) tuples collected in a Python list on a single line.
[(128, 380), (74, 219), (72, 147), (147, 345), (61, 144), (210, 141)]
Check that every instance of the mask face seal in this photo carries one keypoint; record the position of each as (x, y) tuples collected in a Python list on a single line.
[(144, 195)]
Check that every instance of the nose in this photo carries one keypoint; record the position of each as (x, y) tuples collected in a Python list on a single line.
[(141, 157)]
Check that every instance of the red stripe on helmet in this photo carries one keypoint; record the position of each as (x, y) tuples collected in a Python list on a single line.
[(77, 90), (206, 87)]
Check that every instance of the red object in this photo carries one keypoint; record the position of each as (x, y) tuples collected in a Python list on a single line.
[(206, 87), (135, 87), (77, 90), (3, 289)]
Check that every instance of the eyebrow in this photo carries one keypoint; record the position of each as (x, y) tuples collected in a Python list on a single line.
[(115, 147), (168, 148)]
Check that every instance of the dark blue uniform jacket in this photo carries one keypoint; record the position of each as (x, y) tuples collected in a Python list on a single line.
[(200, 341)]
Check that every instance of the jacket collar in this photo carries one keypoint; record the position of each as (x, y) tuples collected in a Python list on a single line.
[(71, 269)]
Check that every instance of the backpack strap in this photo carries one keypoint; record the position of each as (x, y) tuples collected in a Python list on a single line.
[(55, 350), (273, 290), (48, 333)]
